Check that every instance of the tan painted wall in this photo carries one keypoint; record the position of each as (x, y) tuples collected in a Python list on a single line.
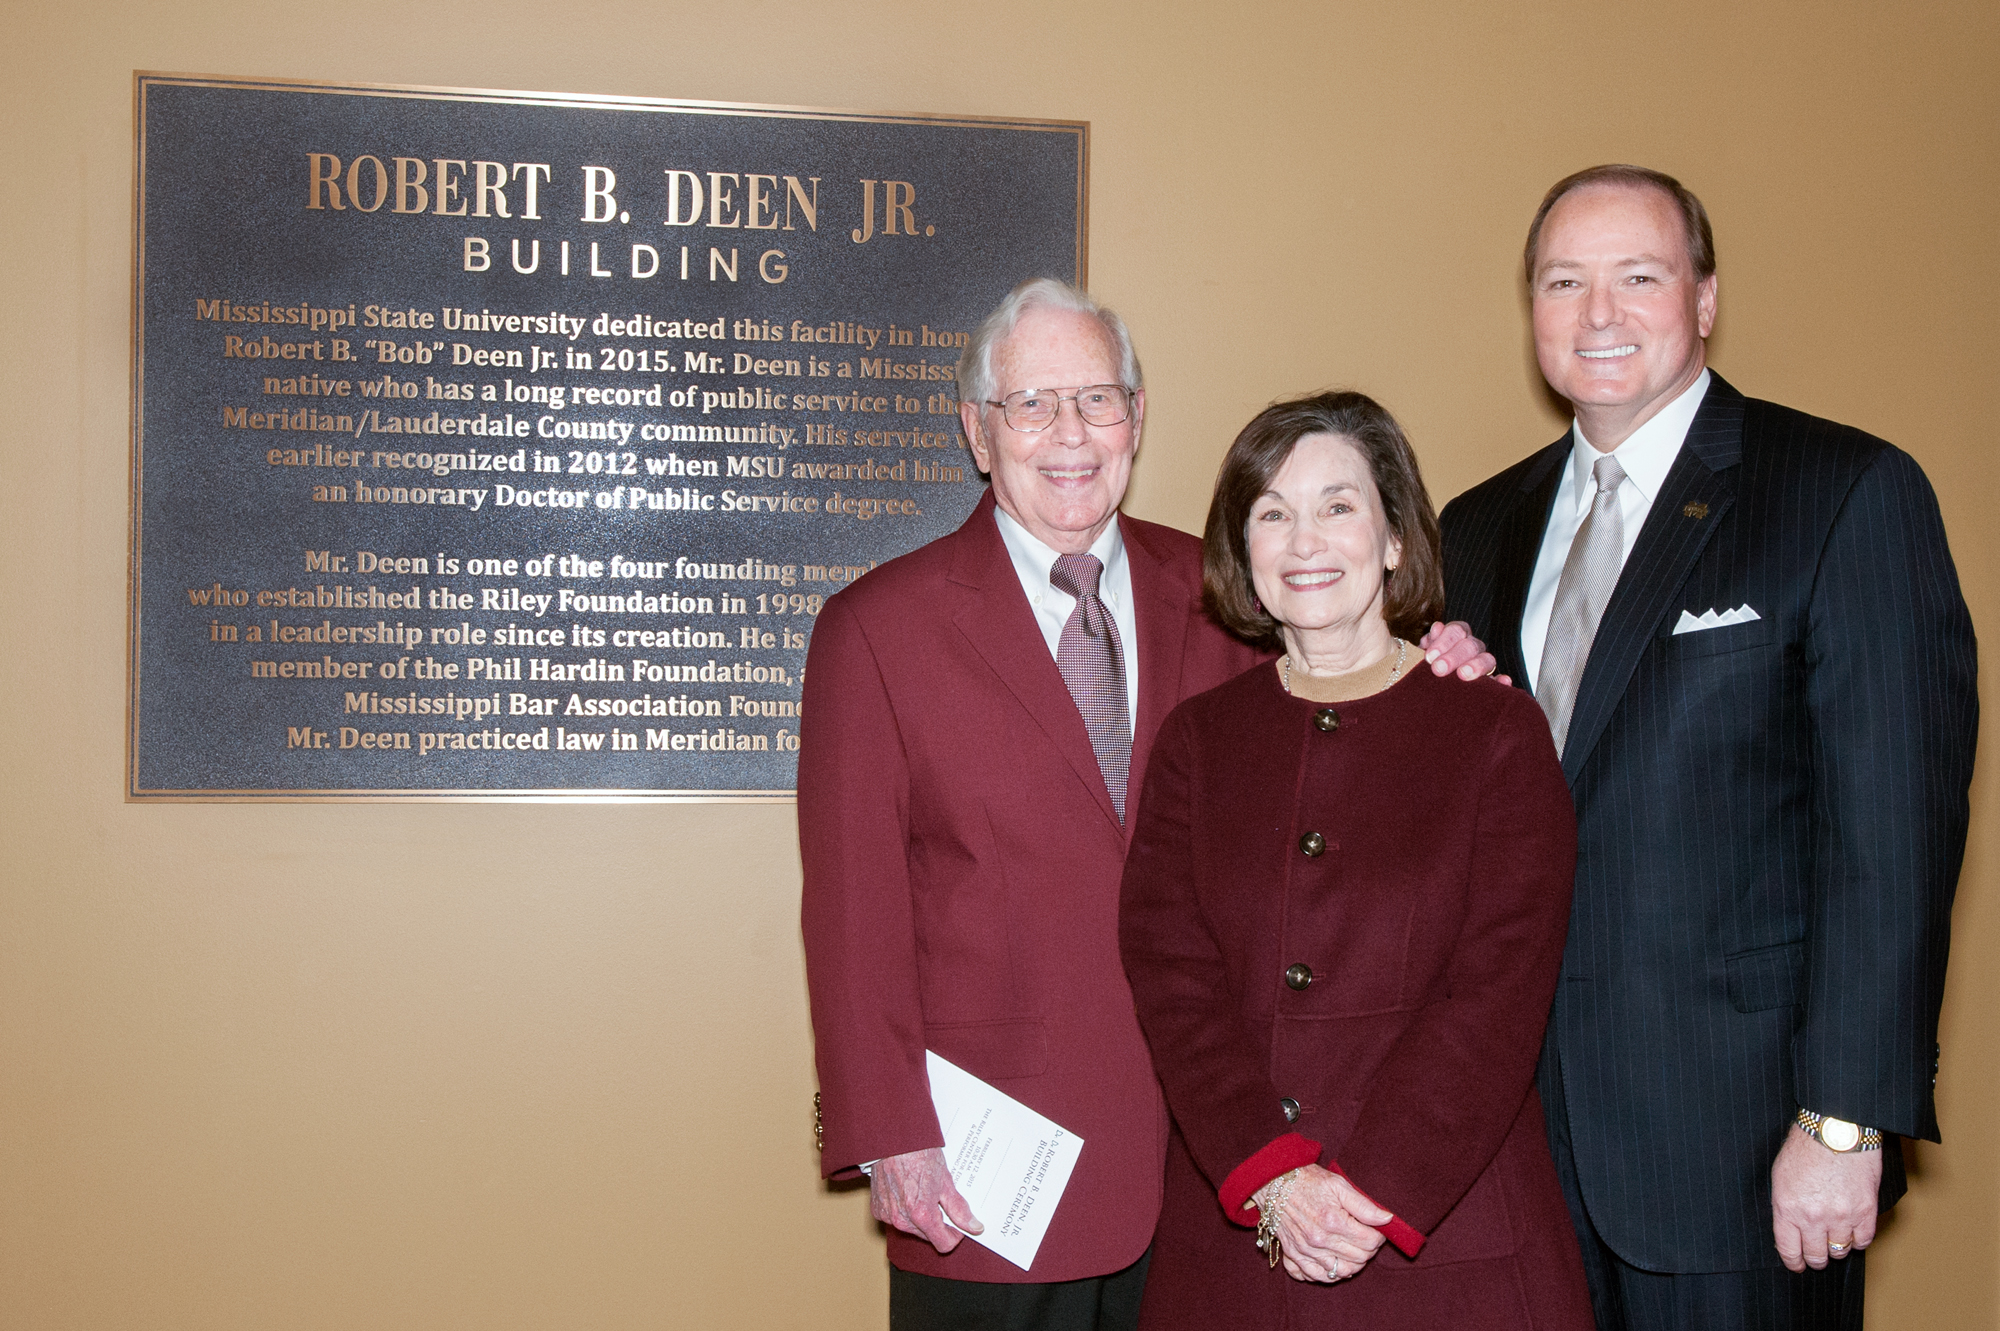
[(547, 1066)]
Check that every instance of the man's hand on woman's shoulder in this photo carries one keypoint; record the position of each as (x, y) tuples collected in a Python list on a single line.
[(1451, 648)]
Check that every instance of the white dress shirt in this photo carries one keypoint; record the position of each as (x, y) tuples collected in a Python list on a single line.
[(1646, 458), (1032, 563)]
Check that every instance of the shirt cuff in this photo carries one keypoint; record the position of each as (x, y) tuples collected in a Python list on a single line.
[(1281, 1156)]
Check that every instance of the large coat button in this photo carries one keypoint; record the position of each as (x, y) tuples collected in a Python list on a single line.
[(1313, 844), (1298, 975), (1327, 719), (1291, 1108)]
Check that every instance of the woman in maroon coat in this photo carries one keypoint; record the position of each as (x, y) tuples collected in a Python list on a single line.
[(1343, 947)]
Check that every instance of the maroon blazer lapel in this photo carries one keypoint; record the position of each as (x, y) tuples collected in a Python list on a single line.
[(1161, 608), (1001, 627)]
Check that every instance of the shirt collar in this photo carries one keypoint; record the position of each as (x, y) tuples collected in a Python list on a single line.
[(1650, 451), (1033, 561)]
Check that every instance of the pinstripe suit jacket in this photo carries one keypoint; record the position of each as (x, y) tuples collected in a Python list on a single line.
[(1771, 815)]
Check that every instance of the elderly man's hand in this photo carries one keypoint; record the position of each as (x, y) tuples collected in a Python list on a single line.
[(914, 1193), (1451, 647), (1821, 1197), (1326, 1228)]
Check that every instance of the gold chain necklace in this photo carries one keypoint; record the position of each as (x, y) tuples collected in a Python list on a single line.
[(1395, 672)]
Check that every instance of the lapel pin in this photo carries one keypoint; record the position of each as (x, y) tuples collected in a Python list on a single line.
[(1695, 510)]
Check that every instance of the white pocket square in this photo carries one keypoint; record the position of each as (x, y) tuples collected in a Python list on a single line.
[(1710, 619)]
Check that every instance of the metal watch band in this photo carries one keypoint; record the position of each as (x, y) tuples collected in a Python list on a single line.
[(1870, 1139)]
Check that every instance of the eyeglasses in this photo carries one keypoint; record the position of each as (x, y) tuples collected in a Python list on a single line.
[(1034, 409)]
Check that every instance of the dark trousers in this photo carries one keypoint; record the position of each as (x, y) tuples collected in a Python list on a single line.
[(1101, 1303), (1626, 1298)]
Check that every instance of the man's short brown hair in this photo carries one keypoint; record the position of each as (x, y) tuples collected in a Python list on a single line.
[(1414, 596), (1694, 217)]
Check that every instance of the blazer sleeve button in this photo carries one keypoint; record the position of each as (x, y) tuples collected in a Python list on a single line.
[(1327, 719), (1298, 975), (1313, 844), (1291, 1108)]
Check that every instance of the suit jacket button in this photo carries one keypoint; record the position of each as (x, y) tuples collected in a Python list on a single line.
[(1298, 975), (1313, 844), (1291, 1108), (1327, 719)]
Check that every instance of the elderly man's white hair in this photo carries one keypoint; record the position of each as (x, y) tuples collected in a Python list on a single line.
[(975, 363)]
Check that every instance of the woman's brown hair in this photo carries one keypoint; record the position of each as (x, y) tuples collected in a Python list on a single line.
[(1414, 595)]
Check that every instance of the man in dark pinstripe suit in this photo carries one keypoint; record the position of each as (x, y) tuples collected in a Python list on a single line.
[(1748, 634)]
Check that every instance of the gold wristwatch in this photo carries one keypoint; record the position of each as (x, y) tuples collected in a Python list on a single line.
[(1837, 1134)]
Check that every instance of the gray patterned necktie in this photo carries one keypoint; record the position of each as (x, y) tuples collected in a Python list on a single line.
[(1093, 666), (1588, 575)]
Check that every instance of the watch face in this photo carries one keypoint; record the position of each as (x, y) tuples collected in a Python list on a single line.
[(1839, 1134)]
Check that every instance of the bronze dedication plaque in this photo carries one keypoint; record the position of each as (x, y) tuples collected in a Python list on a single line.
[(505, 445)]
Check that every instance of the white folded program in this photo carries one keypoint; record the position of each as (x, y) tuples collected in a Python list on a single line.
[(1713, 619)]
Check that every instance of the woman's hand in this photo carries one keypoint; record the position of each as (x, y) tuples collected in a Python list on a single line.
[(1326, 1227)]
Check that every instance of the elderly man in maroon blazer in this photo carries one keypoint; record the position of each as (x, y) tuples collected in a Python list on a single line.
[(975, 715)]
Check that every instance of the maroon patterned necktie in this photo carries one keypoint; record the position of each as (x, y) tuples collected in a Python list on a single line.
[(1093, 666)]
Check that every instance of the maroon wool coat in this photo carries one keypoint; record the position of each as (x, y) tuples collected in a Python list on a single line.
[(1432, 923), (962, 861)]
